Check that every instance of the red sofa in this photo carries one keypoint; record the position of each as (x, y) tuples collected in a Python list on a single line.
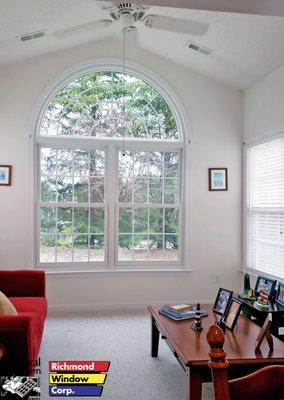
[(21, 335)]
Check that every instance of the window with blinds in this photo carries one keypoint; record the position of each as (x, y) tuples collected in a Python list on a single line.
[(265, 207)]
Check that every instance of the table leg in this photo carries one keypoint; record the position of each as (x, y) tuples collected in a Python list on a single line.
[(155, 339), (194, 385)]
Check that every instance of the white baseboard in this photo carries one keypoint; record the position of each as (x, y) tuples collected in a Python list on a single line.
[(68, 308)]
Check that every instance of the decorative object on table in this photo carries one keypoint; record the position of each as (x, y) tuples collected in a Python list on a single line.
[(250, 295), (262, 301), (5, 175), (280, 294), (180, 307), (222, 301), (218, 179), (264, 333), (271, 283), (246, 283), (179, 316), (232, 314), (197, 324)]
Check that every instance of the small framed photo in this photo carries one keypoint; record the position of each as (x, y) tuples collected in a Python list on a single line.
[(264, 332), (222, 301), (270, 283), (280, 294), (232, 314), (218, 179), (5, 175)]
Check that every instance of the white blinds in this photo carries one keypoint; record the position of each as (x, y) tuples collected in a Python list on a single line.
[(265, 207)]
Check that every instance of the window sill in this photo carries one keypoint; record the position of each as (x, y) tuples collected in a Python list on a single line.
[(77, 273)]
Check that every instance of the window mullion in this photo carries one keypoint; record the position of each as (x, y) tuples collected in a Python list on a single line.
[(112, 184)]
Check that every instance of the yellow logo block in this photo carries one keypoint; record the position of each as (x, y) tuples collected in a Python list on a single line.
[(77, 379)]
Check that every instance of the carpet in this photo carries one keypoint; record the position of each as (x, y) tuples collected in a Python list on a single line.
[(124, 339)]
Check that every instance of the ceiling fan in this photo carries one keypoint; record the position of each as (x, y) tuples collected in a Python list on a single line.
[(128, 14)]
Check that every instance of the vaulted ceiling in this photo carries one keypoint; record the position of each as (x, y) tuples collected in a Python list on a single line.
[(246, 47)]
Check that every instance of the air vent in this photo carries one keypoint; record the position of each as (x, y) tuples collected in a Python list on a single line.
[(31, 36), (200, 49)]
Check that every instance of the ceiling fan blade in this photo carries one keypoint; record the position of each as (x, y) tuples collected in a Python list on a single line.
[(76, 30), (176, 25)]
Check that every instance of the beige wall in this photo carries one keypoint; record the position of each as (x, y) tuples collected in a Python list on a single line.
[(264, 106), (215, 115)]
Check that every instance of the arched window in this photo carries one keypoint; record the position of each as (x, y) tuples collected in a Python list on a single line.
[(110, 175)]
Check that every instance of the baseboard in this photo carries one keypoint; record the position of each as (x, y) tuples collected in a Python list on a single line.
[(69, 308)]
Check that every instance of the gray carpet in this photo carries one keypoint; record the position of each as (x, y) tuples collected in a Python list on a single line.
[(124, 339)]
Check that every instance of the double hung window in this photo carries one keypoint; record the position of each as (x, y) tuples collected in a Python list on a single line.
[(109, 173)]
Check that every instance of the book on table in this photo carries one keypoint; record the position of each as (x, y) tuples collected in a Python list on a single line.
[(179, 307), (178, 316)]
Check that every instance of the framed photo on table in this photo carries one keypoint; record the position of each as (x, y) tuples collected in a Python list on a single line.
[(222, 301), (280, 295), (218, 179), (264, 333), (232, 314), (270, 283), (5, 175)]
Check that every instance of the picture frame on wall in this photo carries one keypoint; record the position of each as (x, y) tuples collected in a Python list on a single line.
[(218, 179), (5, 175), (232, 314), (222, 301)]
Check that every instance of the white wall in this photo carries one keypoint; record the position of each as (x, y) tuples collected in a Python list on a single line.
[(264, 106), (215, 115)]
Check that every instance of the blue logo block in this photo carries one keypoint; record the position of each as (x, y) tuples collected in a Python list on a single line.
[(71, 391)]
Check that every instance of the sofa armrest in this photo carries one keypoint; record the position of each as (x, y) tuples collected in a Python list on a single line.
[(22, 283), (15, 336)]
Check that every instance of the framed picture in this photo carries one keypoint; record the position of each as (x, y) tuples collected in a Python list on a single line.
[(264, 332), (261, 280), (232, 314), (5, 175), (222, 301), (280, 294), (218, 179)]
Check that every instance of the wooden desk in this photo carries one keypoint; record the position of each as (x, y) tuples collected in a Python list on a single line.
[(191, 347)]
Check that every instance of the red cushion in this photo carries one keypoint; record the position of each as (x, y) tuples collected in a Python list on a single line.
[(35, 308)]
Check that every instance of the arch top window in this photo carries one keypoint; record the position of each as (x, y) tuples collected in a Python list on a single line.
[(109, 105)]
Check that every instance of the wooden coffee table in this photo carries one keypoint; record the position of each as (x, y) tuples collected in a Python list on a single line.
[(191, 348)]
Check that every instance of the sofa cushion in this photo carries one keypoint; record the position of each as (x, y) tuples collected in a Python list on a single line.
[(36, 309), (6, 306)]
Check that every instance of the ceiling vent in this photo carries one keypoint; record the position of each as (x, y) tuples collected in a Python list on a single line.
[(31, 36), (200, 49)]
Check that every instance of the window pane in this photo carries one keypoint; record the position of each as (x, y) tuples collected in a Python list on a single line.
[(81, 189), (64, 162), (81, 220), (171, 194), (141, 220), (97, 248), (125, 190), (47, 220), (171, 220), (65, 188), (156, 245), (125, 220), (141, 247), (81, 162), (155, 190), (64, 248), (64, 220), (97, 220), (47, 248), (96, 190), (125, 247), (156, 220), (140, 190), (171, 247), (80, 248), (171, 165), (48, 188)]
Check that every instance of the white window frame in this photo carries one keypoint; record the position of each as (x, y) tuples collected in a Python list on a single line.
[(247, 145), (111, 147)]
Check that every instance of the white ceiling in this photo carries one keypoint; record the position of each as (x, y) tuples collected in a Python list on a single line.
[(247, 47)]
